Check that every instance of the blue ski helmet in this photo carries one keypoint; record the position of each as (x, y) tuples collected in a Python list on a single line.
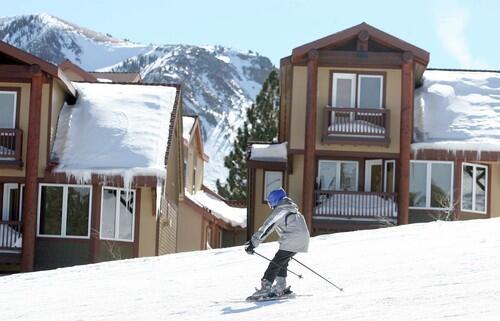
[(275, 197)]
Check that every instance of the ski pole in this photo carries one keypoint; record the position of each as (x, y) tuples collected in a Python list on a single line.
[(262, 256), (317, 273)]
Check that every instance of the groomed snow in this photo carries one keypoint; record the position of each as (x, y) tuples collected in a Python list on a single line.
[(432, 271), (458, 110), (114, 129), (233, 215)]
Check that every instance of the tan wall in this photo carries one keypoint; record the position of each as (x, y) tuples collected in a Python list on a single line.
[(193, 152), (189, 231), (44, 130), (296, 179), (73, 76), (261, 209), (147, 227), (299, 94), (495, 190), (23, 124), (174, 166), (168, 229), (58, 97)]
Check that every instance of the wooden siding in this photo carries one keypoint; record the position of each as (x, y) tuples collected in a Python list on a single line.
[(168, 228)]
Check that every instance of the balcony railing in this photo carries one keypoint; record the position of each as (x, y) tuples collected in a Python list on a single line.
[(361, 205), (356, 124), (10, 236), (10, 144)]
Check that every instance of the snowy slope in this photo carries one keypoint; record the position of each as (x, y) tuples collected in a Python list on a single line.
[(219, 83), (432, 271)]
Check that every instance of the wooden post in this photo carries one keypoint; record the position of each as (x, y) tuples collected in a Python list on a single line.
[(310, 139), (406, 133), (95, 228), (31, 188)]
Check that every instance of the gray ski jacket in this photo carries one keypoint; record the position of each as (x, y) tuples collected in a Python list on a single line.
[(290, 225)]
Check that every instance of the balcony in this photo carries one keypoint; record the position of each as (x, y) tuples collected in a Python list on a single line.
[(356, 126), (367, 207), (10, 241), (10, 146)]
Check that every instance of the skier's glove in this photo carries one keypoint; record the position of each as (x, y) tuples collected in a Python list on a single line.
[(249, 247)]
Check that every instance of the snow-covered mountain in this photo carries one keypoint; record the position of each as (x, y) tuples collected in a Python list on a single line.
[(219, 83), (430, 271)]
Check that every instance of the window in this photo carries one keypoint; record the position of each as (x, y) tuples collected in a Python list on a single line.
[(474, 187), (337, 175), (431, 185), (117, 214), (357, 90), (272, 180), (8, 102), (12, 201), (370, 91), (64, 211), (343, 91)]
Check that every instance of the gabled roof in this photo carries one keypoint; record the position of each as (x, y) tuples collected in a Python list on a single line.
[(69, 65), (117, 76), (191, 126), (378, 35), (28, 59)]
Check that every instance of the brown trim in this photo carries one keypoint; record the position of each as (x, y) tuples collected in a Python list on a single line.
[(377, 35), (95, 228), (266, 165), (250, 202), (27, 58), (68, 64), (343, 153), (31, 183), (110, 181), (310, 139), (137, 220), (406, 133), (464, 155), (264, 182), (49, 122)]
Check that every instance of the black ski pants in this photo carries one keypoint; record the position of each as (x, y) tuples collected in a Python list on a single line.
[(278, 265)]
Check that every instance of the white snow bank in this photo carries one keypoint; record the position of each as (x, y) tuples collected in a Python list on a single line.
[(187, 126), (269, 152), (458, 110), (434, 271), (114, 129), (233, 215)]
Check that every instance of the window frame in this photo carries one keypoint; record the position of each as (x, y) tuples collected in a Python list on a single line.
[(343, 75), (7, 188), (356, 74), (337, 172), (14, 92), (64, 209), (428, 185), (486, 167), (117, 214), (358, 90), (264, 194)]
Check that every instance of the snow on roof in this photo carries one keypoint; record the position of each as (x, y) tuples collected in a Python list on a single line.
[(115, 129), (187, 126), (458, 110), (269, 152), (233, 215)]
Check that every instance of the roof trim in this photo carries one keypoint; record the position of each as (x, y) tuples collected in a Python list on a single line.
[(68, 64), (420, 55)]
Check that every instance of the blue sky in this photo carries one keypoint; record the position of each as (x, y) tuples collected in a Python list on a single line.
[(458, 34)]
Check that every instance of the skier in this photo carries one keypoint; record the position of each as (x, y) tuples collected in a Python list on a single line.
[(293, 234)]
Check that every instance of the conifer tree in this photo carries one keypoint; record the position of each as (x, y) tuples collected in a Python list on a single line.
[(261, 125)]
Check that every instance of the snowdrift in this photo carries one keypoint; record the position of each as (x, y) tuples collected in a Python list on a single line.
[(432, 271)]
